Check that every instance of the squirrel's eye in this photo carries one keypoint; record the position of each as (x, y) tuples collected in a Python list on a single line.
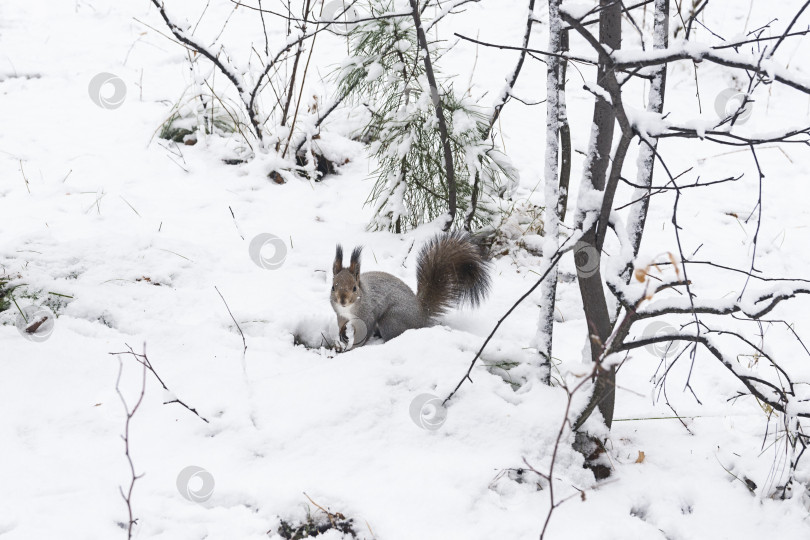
[(333, 287), (354, 289)]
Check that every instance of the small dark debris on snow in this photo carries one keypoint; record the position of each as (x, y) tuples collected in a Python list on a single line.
[(323, 166), (276, 177), (234, 161), (313, 527)]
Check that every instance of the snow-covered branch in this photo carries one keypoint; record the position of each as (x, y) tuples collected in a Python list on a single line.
[(698, 52), (781, 396), (224, 67), (503, 97), (755, 308)]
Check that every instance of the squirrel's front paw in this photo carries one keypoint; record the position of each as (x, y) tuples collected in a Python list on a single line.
[(344, 342)]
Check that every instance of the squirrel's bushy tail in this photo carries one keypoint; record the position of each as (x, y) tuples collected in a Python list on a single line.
[(451, 270)]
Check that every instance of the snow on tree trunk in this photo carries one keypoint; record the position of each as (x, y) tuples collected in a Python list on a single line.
[(551, 214), (646, 154), (586, 255)]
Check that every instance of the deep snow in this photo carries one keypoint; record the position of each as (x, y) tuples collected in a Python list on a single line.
[(91, 204)]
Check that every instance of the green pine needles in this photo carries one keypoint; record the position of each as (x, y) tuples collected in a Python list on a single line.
[(386, 74), (5, 293)]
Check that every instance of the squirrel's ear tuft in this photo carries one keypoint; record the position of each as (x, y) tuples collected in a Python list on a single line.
[(354, 264), (337, 266)]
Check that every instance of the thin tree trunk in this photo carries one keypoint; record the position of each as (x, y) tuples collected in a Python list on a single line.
[(565, 133), (551, 217), (646, 156), (434, 95), (291, 86), (586, 256)]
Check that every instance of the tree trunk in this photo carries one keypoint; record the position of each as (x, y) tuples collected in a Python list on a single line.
[(646, 154), (551, 216), (587, 256), (434, 95)]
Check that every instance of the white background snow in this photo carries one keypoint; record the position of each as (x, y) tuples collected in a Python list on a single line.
[(91, 203)]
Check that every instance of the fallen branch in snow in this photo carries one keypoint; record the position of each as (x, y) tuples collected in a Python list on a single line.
[(144, 361), (129, 413)]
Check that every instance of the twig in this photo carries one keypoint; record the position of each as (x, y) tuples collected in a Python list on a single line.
[(26, 179), (144, 361), (553, 503), (553, 262), (234, 320), (129, 413)]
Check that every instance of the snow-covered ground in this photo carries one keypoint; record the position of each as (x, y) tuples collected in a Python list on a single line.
[(132, 239)]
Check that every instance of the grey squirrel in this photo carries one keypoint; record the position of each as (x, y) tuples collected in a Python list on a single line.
[(451, 270)]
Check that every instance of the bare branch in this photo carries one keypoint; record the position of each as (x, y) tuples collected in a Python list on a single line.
[(129, 415), (144, 361)]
